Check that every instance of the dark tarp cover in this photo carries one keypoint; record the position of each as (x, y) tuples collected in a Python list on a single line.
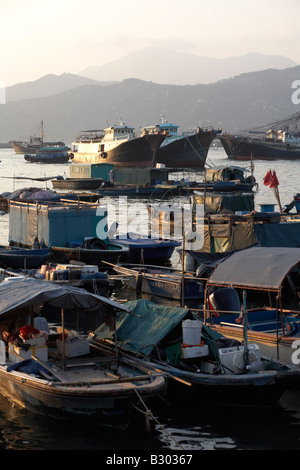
[(24, 292), (284, 234), (256, 267), (148, 325)]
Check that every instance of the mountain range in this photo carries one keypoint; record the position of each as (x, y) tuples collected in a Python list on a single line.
[(69, 103), (180, 68)]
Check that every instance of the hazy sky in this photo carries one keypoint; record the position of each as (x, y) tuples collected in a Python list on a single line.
[(55, 36)]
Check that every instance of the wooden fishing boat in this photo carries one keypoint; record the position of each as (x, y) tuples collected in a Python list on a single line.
[(161, 281), (68, 228), (227, 178), (92, 251), (59, 374), (30, 258), (77, 184), (257, 275), (50, 154), (146, 248), (215, 369)]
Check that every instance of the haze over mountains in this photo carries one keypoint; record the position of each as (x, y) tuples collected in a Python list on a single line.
[(69, 103), (179, 68)]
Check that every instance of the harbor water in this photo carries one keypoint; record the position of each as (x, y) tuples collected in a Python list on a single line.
[(188, 427)]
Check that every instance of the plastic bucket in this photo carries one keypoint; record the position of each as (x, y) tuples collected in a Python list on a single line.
[(191, 332)]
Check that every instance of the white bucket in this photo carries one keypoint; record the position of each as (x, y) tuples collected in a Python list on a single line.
[(191, 332)]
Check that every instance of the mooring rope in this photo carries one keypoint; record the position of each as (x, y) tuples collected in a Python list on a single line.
[(148, 413)]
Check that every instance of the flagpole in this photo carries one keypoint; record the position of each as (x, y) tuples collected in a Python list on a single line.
[(271, 180)]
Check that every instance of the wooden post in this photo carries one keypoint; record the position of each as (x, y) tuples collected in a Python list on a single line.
[(63, 334)]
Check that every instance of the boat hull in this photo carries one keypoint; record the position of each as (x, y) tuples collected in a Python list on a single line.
[(188, 151), (243, 149), (48, 158), (237, 390), (140, 153), (103, 402), (23, 258), (77, 183), (163, 285), (23, 148), (149, 250), (90, 256)]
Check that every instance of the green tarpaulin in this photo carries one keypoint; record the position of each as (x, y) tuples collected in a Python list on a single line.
[(148, 325)]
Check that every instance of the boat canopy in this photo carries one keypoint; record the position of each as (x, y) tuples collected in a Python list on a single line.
[(260, 268), (148, 325), (226, 173), (20, 293)]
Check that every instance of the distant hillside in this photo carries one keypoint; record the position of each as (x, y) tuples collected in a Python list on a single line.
[(245, 101), (48, 85), (178, 68)]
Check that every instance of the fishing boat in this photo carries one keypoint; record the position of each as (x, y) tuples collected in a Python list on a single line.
[(34, 143), (53, 154), (261, 276), (55, 371), (68, 228), (185, 150), (226, 179), (199, 363), (117, 145), (274, 141), (249, 148), (77, 184), (147, 249), (161, 281), (28, 258), (153, 192), (92, 252)]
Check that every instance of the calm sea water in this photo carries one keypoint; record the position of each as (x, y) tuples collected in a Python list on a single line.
[(188, 427)]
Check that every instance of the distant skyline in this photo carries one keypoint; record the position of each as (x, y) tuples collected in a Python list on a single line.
[(39, 37)]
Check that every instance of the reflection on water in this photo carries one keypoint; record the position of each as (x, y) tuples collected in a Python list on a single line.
[(185, 427)]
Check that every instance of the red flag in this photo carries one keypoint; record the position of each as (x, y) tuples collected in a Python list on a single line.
[(268, 178), (274, 181)]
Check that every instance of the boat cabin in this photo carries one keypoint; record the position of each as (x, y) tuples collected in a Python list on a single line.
[(118, 132), (163, 128)]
